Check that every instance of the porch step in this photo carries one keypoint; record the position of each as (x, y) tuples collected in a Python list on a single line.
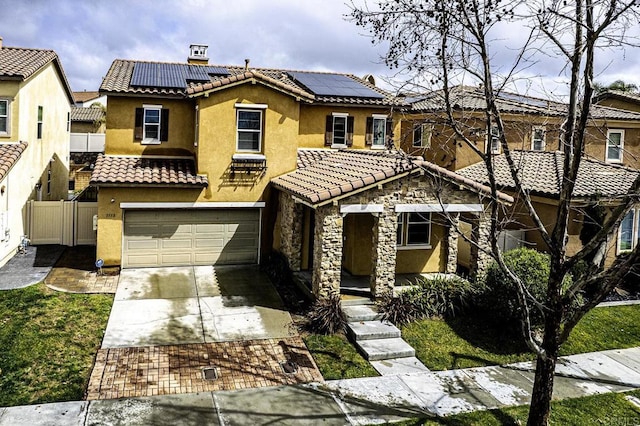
[(351, 300), (395, 366), (370, 330), (358, 313), (381, 349)]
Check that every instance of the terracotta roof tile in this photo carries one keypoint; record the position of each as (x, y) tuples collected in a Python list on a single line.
[(90, 114), (307, 157), (541, 173), (85, 96), (9, 155), (21, 63), (113, 170)]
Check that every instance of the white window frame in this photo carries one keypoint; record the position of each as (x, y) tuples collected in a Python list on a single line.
[(621, 147), (145, 139), (543, 140), (403, 231), (7, 117), (494, 135), (344, 116), (258, 131), (383, 118), (422, 129), (39, 119), (635, 232)]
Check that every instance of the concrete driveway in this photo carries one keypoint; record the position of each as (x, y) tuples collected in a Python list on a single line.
[(199, 304)]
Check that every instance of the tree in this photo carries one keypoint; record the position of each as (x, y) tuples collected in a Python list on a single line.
[(442, 43), (619, 85)]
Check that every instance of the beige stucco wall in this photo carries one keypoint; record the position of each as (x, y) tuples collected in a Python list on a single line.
[(44, 88)]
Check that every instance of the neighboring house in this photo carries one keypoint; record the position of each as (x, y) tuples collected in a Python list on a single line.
[(191, 151), (599, 185), (87, 141), (618, 99), (35, 101), (87, 99), (613, 135)]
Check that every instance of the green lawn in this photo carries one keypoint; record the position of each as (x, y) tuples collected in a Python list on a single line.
[(337, 358), (606, 409), (48, 341), (470, 342)]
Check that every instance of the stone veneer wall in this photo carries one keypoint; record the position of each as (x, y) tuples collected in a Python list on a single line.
[(291, 222), (480, 259), (452, 244), (383, 276), (327, 251)]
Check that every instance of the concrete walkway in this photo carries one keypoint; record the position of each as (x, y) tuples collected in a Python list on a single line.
[(23, 270), (363, 401)]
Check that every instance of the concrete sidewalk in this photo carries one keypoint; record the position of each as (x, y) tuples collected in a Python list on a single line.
[(363, 401)]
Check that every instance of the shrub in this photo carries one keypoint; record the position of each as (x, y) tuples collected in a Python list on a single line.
[(326, 316), (429, 297)]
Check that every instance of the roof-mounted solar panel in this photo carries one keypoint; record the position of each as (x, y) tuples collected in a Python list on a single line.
[(524, 99), (322, 84), (177, 76)]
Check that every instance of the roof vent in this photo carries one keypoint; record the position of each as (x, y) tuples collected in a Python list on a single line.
[(369, 79), (198, 54)]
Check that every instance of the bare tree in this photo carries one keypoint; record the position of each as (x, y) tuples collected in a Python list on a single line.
[(443, 43)]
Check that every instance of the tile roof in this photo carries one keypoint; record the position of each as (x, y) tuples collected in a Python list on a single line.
[(113, 171), (90, 115), (541, 173), (472, 98), (618, 94), (9, 155), (85, 96), (327, 174), (118, 81)]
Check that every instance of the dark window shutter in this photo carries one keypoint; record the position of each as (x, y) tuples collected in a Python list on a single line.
[(328, 133), (349, 131), (137, 133), (368, 137), (164, 125), (389, 133)]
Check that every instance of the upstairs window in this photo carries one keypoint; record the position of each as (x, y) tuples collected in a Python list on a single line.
[(615, 145), (249, 125), (629, 231), (4, 117), (378, 131), (422, 136), (414, 229), (39, 129), (538, 139), (152, 124), (494, 140), (339, 130)]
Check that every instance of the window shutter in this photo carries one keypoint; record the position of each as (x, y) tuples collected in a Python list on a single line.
[(389, 133), (164, 125), (368, 136), (349, 131), (328, 133), (137, 132)]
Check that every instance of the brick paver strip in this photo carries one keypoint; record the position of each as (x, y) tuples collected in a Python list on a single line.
[(162, 370), (80, 281)]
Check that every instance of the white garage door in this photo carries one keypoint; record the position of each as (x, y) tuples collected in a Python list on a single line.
[(190, 237)]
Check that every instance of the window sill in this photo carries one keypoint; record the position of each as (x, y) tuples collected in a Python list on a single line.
[(150, 142), (613, 161), (338, 146), (378, 147), (415, 247)]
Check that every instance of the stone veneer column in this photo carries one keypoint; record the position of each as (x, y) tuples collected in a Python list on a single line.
[(291, 221), (480, 259), (383, 254), (452, 244), (327, 251)]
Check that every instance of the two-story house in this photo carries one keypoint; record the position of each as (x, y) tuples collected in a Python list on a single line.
[(212, 164), (35, 100)]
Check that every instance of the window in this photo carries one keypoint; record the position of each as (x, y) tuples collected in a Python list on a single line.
[(49, 181), (422, 136), (249, 130), (152, 124), (339, 130), (615, 145), (4, 117), (629, 231), (68, 121), (379, 131), (414, 229), (39, 130), (495, 140), (538, 139)]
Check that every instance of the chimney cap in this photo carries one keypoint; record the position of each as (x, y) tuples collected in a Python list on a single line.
[(198, 54)]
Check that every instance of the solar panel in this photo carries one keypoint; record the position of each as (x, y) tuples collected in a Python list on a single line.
[(334, 85), (147, 74), (524, 99)]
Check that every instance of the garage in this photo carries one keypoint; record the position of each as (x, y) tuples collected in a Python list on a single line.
[(184, 237)]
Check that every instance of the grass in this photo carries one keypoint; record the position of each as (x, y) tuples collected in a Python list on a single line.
[(337, 358), (48, 340), (471, 342), (606, 409)]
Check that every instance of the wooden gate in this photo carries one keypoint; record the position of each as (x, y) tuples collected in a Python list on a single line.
[(68, 223)]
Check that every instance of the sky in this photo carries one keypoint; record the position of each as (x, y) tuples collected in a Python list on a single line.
[(292, 34)]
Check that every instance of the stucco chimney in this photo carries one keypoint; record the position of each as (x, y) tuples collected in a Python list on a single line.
[(198, 54)]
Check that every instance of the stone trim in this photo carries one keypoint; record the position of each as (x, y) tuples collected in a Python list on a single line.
[(383, 254), (452, 244), (291, 225), (480, 259), (327, 251)]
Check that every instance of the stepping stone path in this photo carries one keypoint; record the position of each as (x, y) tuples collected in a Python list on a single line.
[(380, 342)]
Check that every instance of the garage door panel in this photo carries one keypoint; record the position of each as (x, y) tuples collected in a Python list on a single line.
[(190, 237)]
